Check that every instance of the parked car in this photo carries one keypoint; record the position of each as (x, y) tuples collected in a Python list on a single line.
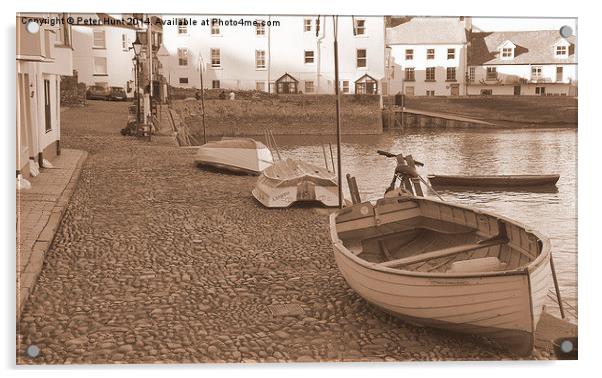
[(98, 92), (118, 94)]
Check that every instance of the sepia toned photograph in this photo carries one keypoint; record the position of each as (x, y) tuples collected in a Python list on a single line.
[(295, 188)]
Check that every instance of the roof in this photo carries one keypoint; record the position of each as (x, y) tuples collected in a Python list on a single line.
[(532, 47), (428, 31)]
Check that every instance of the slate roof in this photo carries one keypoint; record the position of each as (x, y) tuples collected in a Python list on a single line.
[(427, 31), (532, 47)]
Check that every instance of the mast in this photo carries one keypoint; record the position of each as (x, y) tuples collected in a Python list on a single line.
[(335, 20)]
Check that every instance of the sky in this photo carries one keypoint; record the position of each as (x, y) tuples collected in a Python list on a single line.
[(513, 23)]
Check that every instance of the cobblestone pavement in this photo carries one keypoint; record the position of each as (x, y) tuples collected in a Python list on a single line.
[(158, 261)]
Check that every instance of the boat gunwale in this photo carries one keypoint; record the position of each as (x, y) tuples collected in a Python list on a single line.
[(544, 254)]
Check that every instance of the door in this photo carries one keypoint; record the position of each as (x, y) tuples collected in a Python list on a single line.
[(517, 90), (409, 91), (47, 114), (24, 143), (455, 89)]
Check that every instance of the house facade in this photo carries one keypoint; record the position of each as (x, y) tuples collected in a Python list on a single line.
[(276, 54), (42, 57), (102, 56), (532, 63), (426, 56)]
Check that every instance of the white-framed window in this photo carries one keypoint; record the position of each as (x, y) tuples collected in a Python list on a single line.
[(345, 86), (430, 93), (360, 26), (361, 58), (216, 59), (307, 25), (559, 73), (540, 91), (100, 65), (451, 74), (215, 84), (410, 74), (430, 54), (472, 74), (430, 74), (507, 52), (260, 86), (491, 73), (99, 39), (259, 27), (125, 46), (183, 80), (562, 51), (536, 73), (451, 53), (182, 57), (309, 86), (309, 56), (409, 91), (215, 29), (260, 59), (409, 54), (182, 27)]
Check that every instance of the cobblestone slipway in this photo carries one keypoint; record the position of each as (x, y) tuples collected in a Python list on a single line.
[(158, 261)]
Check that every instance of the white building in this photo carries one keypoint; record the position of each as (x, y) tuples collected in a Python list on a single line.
[(427, 56), (255, 54), (102, 55), (42, 57), (522, 63)]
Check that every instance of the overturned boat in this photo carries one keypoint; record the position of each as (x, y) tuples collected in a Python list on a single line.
[(494, 181), (241, 155), (290, 181)]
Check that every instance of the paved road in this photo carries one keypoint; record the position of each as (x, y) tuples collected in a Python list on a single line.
[(157, 260)]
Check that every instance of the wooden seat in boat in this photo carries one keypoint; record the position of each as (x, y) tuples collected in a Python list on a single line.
[(482, 264)]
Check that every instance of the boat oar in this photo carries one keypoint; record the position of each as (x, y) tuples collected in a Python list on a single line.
[(556, 286), (430, 187)]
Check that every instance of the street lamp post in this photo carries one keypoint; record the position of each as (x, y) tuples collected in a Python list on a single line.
[(137, 47)]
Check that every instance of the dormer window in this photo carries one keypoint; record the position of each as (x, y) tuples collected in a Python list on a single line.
[(562, 51), (507, 53)]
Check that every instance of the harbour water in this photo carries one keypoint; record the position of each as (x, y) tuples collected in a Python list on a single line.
[(553, 212)]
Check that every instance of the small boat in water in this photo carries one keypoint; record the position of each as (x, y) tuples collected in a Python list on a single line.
[(289, 181), (241, 155), (494, 181)]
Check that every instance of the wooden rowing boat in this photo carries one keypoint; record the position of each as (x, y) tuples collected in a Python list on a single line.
[(242, 155), (445, 266), (494, 180), (289, 181)]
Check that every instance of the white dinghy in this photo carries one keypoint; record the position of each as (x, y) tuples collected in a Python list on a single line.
[(242, 155)]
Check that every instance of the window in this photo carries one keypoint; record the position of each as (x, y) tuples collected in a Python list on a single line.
[(409, 54), (385, 88), (100, 65), (409, 91), (345, 86), (561, 51), (491, 73), (260, 86), (430, 93), (260, 59), (451, 73), (216, 60), (99, 39), (486, 92), (183, 80), (215, 84), (47, 106), (536, 73), (430, 74), (471, 74), (182, 26), (430, 53), (309, 87), (409, 74), (309, 56), (451, 53), (361, 58), (540, 91), (507, 52), (124, 42), (559, 74), (182, 57), (360, 27), (307, 24), (260, 27), (215, 28)]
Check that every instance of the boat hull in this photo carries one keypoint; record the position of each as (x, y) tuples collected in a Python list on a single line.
[(494, 181), (251, 159)]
